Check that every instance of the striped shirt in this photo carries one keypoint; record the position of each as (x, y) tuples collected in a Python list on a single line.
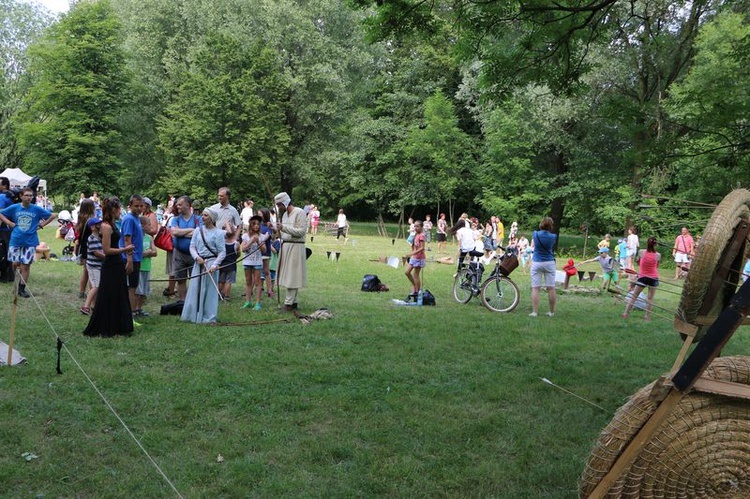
[(95, 244)]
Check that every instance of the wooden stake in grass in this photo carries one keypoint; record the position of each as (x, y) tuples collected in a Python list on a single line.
[(13, 313)]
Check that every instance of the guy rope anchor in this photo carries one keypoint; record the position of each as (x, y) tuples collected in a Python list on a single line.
[(687, 434)]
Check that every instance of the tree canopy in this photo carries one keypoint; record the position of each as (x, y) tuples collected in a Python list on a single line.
[(519, 109)]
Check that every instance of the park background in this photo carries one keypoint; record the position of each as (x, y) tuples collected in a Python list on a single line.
[(581, 112)]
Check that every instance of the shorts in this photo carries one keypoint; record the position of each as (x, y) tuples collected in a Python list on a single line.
[(273, 275), (441, 238), (170, 257), (135, 276), (228, 275), (417, 262), (631, 253), (182, 265), (253, 267), (543, 272), (95, 275), (680, 257), (144, 284), (645, 282), (611, 275), (427, 237), (21, 254)]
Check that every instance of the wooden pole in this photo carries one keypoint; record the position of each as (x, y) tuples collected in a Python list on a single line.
[(13, 313)]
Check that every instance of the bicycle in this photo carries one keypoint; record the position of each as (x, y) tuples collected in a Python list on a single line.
[(498, 292)]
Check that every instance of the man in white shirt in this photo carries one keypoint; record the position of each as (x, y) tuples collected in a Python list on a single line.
[(342, 224), (227, 213)]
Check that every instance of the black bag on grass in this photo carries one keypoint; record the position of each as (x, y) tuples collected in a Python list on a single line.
[(174, 308), (371, 283), (428, 298)]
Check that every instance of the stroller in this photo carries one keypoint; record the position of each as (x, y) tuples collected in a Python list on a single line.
[(67, 231)]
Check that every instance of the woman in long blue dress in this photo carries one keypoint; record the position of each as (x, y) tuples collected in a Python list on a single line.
[(208, 249), (111, 315)]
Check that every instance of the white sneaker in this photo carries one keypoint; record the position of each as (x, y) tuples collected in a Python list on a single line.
[(533, 314), (551, 314)]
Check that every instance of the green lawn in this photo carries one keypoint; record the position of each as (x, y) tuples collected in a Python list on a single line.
[(382, 400)]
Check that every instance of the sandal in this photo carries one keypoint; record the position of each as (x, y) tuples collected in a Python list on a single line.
[(168, 293), (85, 310)]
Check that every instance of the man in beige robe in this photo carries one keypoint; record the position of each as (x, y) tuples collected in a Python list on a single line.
[(292, 274)]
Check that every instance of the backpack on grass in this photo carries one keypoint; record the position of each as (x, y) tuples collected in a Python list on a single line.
[(371, 283), (427, 298)]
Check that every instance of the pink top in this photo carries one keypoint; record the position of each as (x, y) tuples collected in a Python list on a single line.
[(418, 241), (649, 264)]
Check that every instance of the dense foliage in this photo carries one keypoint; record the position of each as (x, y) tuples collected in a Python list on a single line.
[(387, 109)]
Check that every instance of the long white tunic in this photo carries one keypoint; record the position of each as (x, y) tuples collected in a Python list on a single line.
[(293, 258)]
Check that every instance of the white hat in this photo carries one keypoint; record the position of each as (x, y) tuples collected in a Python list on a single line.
[(282, 198), (147, 201)]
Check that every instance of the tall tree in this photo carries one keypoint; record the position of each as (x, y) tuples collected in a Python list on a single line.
[(22, 24), (225, 125), (68, 128), (711, 105)]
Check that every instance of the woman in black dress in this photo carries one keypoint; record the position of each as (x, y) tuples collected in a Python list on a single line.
[(112, 314)]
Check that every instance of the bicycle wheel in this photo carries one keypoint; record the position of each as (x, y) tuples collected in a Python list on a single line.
[(500, 294), (462, 287)]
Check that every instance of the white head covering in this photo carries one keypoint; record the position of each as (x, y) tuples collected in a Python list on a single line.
[(282, 198), (212, 213)]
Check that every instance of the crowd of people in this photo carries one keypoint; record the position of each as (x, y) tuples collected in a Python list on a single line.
[(481, 241), (115, 244), (115, 250)]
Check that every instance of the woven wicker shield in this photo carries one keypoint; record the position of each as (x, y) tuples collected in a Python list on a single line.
[(702, 449)]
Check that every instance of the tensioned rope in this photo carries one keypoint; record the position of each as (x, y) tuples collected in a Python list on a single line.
[(239, 259), (61, 344)]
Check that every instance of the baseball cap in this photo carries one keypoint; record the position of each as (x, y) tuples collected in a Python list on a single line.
[(93, 221), (604, 250), (147, 201)]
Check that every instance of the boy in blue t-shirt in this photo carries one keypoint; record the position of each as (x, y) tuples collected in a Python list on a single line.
[(131, 232), (24, 219)]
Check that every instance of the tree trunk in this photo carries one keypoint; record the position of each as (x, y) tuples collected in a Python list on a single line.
[(557, 208)]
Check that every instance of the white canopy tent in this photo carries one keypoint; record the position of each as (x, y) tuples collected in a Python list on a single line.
[(18, 178)]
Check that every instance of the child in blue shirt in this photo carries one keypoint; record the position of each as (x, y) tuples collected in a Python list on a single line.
[(24, 219)]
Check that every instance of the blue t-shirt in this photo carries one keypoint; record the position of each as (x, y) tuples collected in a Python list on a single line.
[(544, 242), (27, 222), (131, 226), (263, 231), (5, 201), (183, 243), (623, 247)]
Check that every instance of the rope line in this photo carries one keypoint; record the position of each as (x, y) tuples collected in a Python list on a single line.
[(61, 344), (239, 258)]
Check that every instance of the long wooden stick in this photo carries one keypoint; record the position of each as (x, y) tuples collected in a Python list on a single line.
[(13, 313), (253, 323)]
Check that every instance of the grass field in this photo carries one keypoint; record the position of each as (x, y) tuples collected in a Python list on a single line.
[(379, 401)]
